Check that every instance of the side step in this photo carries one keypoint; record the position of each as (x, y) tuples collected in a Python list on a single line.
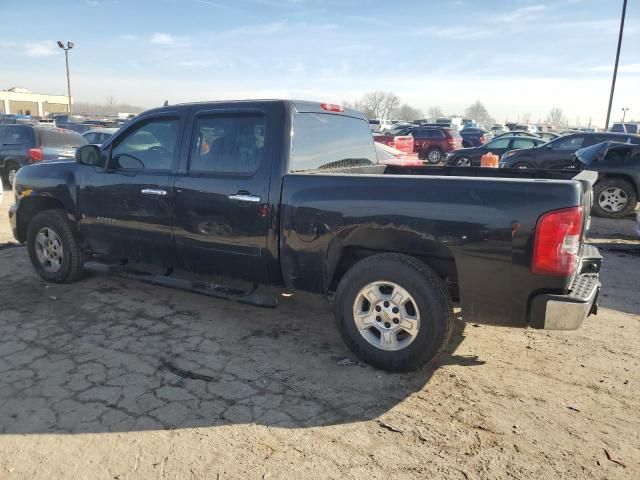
[(248, 297)]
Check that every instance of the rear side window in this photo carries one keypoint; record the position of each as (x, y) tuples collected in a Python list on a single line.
[(453, 132), (523, 143), (16, 136), (229, 143), (61, 138), (325, 141)]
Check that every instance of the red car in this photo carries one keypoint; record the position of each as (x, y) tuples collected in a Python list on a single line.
[(433, 143)]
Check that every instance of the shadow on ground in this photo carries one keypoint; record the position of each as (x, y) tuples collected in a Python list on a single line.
[(109, 354)]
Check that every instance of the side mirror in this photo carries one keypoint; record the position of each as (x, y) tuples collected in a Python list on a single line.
[(89, 155)]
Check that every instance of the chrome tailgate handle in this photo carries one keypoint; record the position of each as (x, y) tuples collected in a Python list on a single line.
[(244, 197), (153, 191)]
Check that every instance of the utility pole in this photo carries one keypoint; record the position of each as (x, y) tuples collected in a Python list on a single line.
[(66, 49), (615, 67)]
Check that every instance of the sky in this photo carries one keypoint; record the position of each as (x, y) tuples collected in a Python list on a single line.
[(518, 57)]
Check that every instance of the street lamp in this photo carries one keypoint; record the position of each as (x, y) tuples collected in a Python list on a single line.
[(66, 49), (624, 113)]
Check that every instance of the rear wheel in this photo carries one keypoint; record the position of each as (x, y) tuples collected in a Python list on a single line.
[(53, 248), (614, 198), (434, 155), (10, 171), (521, 165), (394, 312)]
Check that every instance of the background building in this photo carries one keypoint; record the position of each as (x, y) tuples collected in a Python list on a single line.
[(21, 101)]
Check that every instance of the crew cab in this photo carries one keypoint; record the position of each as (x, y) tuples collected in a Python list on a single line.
[(290, 194)]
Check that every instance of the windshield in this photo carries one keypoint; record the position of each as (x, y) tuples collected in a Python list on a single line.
[(61, 138)]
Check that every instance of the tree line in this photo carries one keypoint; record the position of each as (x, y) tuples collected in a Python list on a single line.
[(389, 106)]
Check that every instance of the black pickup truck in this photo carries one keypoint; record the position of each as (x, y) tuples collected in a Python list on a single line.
[(290, 194)]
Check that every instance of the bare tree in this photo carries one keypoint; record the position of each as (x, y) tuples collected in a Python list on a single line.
[(526, 118), (435, 113), (556, 117), (111, 104), (407, 112), (478, 113)]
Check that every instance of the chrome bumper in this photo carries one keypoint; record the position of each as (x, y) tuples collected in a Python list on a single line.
[(566, 312)]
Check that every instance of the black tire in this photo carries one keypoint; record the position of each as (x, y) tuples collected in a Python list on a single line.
[(606, 185), (73, 257), (433, 303), (434, 156), (521, 165), (10, 167), (462, 162)]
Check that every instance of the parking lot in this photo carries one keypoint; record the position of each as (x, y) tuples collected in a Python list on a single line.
[(109, 378)]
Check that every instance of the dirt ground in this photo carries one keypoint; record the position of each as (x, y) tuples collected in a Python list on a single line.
[(95, 383)]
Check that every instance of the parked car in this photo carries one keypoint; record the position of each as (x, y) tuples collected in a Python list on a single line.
[(548, 136), (21, 145), (433, 143), (314, 211), (618, 165), (470, 157), (392, 156), (498, 129), (517, 133), (558, 153), (473, 137), (626, 128), (377, 125), (98, 136)]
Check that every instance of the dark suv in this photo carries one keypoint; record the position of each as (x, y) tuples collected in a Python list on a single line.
[(24, 144), (558, 153), (433, 143)]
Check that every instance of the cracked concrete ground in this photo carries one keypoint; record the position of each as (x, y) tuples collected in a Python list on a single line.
[(96, 381)]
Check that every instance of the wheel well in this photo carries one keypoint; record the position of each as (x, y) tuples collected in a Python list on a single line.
[(626, 178), (441, 260), (29, 207)]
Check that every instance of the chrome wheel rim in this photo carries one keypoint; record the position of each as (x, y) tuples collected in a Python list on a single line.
[(434, 156), (386, 315), (11, 176), (49, 250), (463, 162), (613, 199)]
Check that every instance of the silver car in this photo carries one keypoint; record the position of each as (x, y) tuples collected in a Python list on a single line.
[(98, 136)]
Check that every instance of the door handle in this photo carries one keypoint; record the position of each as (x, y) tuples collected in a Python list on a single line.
[(151, 191), (245, 197)]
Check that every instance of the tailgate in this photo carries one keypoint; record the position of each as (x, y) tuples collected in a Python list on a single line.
[(403, 143)]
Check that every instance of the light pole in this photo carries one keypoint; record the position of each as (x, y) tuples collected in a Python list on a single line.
[(624, 113), (66, 49), (615, 67)]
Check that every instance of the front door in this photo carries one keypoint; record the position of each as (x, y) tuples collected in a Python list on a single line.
[(221, 196), (126, 208), (560, 153)]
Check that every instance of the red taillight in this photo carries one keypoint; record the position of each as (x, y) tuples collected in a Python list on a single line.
[(331, 107), (557, 242), (452, 141), (35, 154)]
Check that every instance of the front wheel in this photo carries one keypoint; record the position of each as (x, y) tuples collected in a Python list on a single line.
[(53, 248), (614, 198), (11, 170), (463, 162), (393, 312)]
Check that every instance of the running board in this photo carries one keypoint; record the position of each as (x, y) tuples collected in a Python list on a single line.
[(247, 297)]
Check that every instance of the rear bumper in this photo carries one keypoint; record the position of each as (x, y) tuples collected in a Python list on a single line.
[(567, 312)]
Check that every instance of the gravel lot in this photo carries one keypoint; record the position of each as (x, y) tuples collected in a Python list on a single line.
[(95, 383)]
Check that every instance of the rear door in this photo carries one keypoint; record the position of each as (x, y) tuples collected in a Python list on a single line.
[(222, 207)]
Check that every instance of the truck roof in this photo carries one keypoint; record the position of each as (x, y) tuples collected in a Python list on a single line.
[(298, 106)]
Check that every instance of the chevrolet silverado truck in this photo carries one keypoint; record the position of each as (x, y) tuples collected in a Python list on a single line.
[(291, 194)]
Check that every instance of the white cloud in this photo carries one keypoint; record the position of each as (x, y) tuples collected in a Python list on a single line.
[(460, 33), (162, 39), (41, 49), (522, 13)]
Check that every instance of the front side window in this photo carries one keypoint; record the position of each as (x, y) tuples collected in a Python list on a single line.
[(523, 143), (572, 143), (325, 141), (229, 143), (151, 146)]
